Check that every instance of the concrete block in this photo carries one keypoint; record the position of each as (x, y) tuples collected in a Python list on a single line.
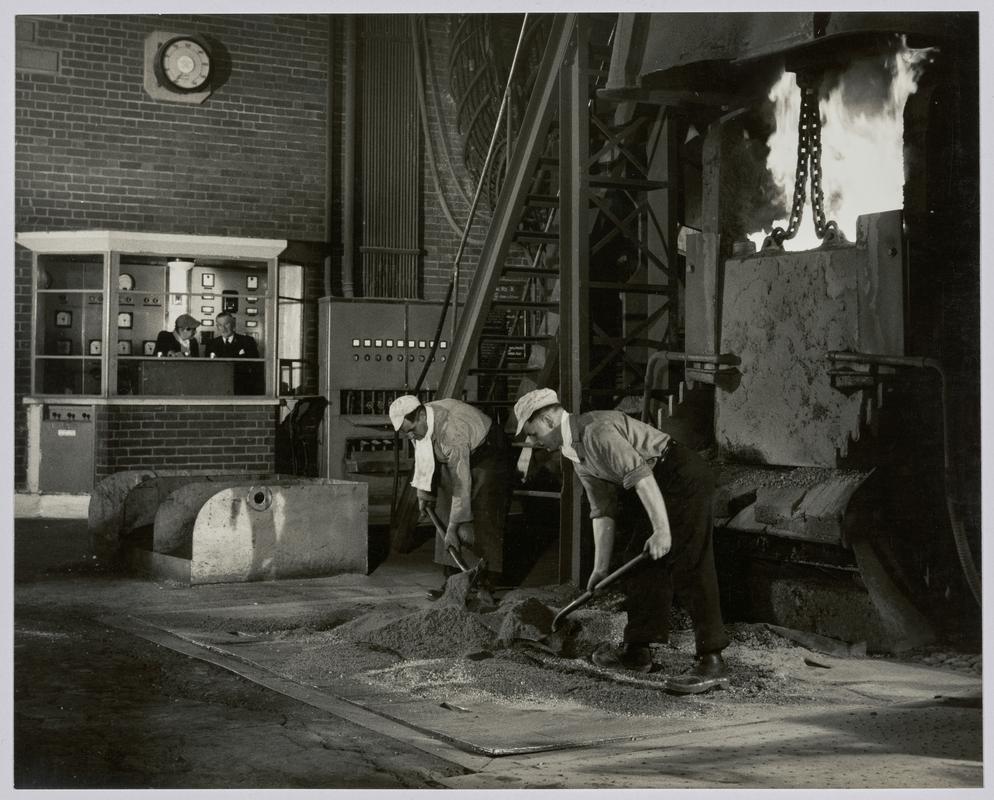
[(127, 500), (177, 512), (105, 514), (301, 528)]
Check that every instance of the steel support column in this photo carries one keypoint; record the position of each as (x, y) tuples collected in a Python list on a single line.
[(574, 251)]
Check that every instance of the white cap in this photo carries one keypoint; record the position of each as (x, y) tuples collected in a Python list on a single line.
[(529, 403), (401, 407)]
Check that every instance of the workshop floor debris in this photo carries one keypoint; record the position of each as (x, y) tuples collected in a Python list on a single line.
[(484, 676), (491, 678)]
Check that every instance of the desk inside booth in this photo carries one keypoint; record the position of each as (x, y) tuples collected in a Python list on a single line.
[(191, 376)]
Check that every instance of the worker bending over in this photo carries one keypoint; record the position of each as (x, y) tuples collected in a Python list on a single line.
[(675, 486), (473, 459)]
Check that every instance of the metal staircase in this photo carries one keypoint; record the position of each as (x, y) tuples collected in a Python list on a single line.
[(586, 196)]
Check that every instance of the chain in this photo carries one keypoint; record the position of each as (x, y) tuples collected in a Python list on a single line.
[(808, 155)]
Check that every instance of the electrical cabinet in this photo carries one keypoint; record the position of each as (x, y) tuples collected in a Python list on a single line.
[(371, 352), (66, 464)]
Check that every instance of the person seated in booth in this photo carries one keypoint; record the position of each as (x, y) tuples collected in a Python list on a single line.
[(247, 378), (229, 344), (179, 342)]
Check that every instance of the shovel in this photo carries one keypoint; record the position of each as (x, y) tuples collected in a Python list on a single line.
[(441, 532), (609, 579)]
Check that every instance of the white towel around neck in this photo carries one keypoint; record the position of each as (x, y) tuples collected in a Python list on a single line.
[(424, 455), (567, 446)]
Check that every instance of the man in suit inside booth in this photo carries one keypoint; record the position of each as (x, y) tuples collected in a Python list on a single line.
[(227, 343)]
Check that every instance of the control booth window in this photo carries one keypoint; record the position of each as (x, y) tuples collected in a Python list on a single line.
[(174, 327), (191, 327), (122, 314)]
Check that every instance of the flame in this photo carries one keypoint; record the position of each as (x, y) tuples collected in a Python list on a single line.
[(862, 141)]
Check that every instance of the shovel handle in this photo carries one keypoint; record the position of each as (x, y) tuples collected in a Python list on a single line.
[(453, 553), (603, 583)]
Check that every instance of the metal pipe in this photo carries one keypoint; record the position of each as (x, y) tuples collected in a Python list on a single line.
[(917, 362), (329, 149), (967, 564), (713, 358), (348, 160)]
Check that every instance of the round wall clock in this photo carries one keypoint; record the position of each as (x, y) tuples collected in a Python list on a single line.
[(184, 64)]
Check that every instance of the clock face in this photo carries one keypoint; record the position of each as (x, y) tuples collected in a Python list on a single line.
[(185, 64)]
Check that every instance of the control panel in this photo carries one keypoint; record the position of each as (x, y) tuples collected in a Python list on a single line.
[(371, 352)]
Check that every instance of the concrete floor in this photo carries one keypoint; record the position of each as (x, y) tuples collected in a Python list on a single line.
[(106, 698)]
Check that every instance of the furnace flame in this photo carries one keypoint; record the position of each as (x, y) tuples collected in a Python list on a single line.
[(862, 140)]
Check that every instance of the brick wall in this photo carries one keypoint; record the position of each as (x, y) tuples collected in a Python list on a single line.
[(223, 437), (94, 151)]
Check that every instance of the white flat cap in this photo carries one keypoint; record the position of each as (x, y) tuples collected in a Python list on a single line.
[(529, 403), (401, 407)]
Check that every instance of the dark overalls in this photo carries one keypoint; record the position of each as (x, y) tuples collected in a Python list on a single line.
[(490, 497), (687, 485)]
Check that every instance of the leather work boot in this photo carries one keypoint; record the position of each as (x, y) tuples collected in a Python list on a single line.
[(709, 672), (632, 656)]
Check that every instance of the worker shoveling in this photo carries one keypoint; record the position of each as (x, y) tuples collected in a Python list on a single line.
[(677, 684), (468, 623), (518, 630)]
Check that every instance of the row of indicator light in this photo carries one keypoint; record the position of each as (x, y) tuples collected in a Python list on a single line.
[(398, 343), (389, 357)]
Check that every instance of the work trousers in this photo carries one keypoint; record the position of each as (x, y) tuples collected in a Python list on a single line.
[(687, 485), (490, 496)]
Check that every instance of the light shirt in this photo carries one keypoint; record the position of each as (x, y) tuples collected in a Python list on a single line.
[(613, 450), (458, 430), (567, 448)]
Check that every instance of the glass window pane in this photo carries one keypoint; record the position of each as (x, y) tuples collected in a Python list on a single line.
[(67, 376), (156, 292), (291, 328), (70, 272), (68, 323)]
